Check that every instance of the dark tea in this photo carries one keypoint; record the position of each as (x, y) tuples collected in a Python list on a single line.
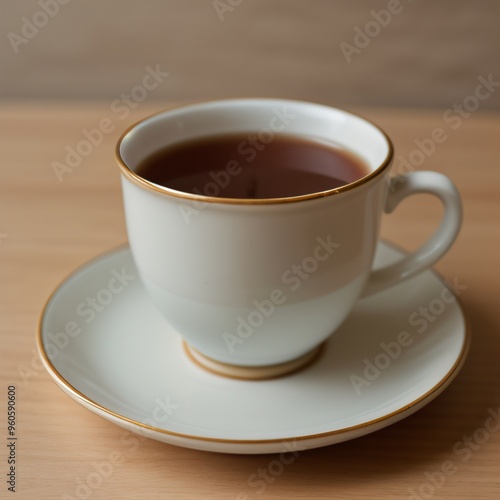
[(242, 166)]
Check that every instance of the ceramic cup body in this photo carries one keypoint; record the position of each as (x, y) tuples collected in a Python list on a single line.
[(245, 282)]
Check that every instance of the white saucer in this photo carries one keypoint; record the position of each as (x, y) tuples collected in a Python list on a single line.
[(127, 365)]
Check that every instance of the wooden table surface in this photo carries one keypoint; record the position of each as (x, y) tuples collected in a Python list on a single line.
[(49, 226)]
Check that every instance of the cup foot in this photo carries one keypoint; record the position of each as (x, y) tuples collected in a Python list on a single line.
[(250, 372)]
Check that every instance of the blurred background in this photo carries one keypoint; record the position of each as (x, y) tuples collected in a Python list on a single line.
[(398, 53)]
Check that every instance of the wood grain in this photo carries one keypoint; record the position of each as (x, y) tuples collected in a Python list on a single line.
[(47, 228)]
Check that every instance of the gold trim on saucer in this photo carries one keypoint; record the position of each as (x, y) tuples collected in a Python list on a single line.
[(70, 389)]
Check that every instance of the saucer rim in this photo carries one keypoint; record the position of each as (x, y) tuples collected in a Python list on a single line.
[(63, 384)]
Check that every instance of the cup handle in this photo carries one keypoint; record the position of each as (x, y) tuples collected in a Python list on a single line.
[(438, 244)]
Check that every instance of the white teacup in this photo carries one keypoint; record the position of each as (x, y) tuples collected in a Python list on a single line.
[(254, 287)]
